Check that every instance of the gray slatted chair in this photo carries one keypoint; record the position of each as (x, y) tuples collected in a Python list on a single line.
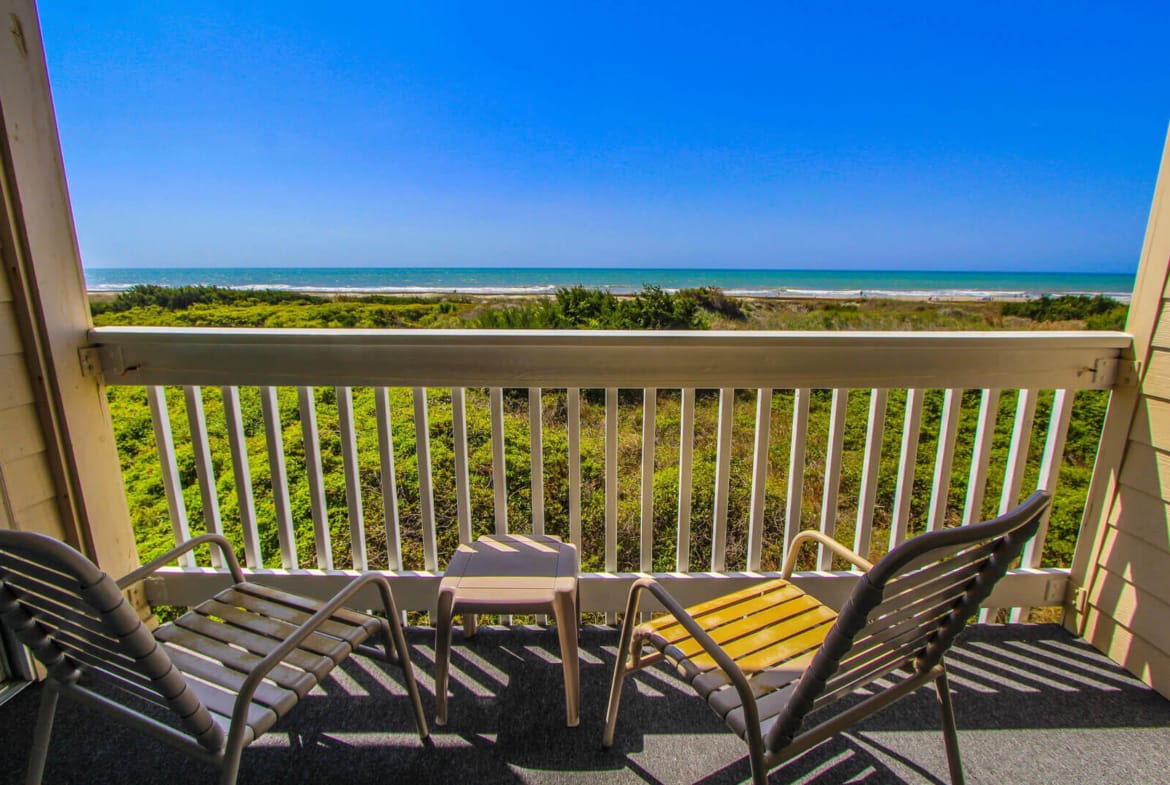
[(767, 657), (222, 674)]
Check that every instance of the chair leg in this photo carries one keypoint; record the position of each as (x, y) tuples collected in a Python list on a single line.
[(44, 729), (759, 768), (444, 613), (230, 768), (397, 652), (420, 718), (619, 669), (950, 734), (564, 607)]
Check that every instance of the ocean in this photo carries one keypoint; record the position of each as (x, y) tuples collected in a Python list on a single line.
[(536, 281)]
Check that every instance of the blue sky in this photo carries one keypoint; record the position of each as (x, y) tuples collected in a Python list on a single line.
[(1013, 136)]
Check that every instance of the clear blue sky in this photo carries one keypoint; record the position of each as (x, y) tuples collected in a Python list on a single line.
[(983, 136)]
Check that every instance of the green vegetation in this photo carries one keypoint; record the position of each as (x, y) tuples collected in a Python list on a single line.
[(1098, 313), (653, 308), (210, 306), (573, 308)]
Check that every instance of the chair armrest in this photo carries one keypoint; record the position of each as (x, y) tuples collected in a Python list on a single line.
[(812, 535), (218, 540), (713, 649), (310, 625)]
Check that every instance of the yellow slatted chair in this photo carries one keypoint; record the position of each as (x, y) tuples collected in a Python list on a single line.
[(767, 657)]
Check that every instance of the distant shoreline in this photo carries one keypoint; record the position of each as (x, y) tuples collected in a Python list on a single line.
[(105, 295), (528, 282)]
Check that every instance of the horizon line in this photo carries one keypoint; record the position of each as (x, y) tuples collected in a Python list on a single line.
[(614, 267)]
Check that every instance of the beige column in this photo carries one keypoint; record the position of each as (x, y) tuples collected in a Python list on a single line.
[(1120, 598), (59, 470)]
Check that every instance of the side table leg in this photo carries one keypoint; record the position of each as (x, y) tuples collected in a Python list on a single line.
[(442, 653), (565, 611), (469, 624)]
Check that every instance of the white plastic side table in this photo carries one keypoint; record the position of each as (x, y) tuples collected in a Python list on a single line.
[(511, 574)]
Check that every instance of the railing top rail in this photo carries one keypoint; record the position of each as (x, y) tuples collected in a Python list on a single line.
[(1099, 338), (595, 358)]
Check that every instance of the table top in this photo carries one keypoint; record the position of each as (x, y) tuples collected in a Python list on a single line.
[(512, 569)]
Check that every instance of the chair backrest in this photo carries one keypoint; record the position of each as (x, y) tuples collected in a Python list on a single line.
[(908, 609), (74, 619)]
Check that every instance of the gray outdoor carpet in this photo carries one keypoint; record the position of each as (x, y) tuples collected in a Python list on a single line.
[(1034, 705)]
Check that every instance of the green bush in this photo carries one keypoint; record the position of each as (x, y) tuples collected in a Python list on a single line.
[(1098, 312)]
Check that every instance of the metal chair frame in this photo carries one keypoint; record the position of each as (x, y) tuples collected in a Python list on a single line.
[(123, 646), (785, 738)]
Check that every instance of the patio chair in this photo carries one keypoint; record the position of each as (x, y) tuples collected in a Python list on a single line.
[(219, 676), (767, 657)]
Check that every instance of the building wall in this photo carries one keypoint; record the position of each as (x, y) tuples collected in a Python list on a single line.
[(1124, 607), (59, 471), (27, 488)]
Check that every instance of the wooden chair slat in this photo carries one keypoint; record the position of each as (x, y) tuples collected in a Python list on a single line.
[(781, 613), (703, 609), (724, 623)]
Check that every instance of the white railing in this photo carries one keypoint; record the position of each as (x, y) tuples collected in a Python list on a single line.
[(788, 374)]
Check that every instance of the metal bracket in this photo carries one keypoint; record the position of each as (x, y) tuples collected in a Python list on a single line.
[(1080, 600), (1054, 590), (91, 360), (1105, 372)]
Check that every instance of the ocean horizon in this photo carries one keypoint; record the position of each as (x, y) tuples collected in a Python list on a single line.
[(542, 281)]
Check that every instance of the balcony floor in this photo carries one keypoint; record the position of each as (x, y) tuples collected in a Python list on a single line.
[(1034, 705)]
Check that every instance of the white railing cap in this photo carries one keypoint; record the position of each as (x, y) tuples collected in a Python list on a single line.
[(597, 358)]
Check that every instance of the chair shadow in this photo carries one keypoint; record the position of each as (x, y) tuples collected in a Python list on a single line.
[(507, 720)]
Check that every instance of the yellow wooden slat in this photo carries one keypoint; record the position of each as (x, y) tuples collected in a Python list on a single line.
[(726, 600), (729, 608), (778, 653), (685, 646), (766, 646), (785, 637)]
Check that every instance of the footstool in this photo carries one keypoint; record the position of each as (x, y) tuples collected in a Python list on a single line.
[(510, 574)]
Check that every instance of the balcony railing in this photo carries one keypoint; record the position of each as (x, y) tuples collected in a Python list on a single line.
[(918, 387)]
